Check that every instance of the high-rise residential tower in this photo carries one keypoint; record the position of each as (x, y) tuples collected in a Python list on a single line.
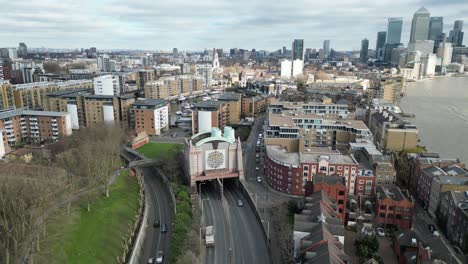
[(394, 30), (456, 34), (420, 25), (326, 48), (379, 47), (364, 50), (298, 49)]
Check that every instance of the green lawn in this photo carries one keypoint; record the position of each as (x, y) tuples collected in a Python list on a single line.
[(96, 236), (155, 150)]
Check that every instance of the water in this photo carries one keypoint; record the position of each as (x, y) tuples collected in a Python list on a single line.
[(441, 109)]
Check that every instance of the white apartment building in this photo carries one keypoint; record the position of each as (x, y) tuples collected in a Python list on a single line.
[(107, 85)]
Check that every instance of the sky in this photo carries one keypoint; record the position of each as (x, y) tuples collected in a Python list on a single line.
[(200, 24)]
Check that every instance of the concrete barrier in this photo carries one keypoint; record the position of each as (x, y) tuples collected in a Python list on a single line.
[(251, 201), (139, 241)]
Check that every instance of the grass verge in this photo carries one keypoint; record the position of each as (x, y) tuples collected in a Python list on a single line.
[(155, 150), (183, 223), (96, 236)]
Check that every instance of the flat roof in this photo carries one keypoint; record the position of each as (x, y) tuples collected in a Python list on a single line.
[(286, 158), (21, 112), (149, 102)]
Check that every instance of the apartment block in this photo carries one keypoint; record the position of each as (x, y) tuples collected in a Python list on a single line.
[(150, 115), (391, 89), (334, 187), (453, 214), (233, 103), (289, 171), (252, 106), (22, 125), (315, 130), (107, 85), (433, 180), (6, 95), (392, 132), (209, 114), (31, 95), (144, 76), (393, 207), (71, 101), (326, 110), (319, 231), (107, 109), (173, 86)]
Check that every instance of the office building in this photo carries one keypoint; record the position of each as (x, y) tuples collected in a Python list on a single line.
[(425, 47), (444, 52), (456, 34), (394, 27), (150, 115), (428, 65), (420, 25), (298, 49), (364, 51), (394, 207), (9, 53), (379, 47), (388, 49), (22, 125), (436, 28), (106, 85), (212, 155), (326, 48)]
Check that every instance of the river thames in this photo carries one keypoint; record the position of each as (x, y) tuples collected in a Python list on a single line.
[(441, 109)]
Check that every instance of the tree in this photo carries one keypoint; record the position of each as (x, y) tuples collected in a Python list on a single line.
[(366, 246)]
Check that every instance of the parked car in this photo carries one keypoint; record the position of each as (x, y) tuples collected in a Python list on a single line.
[(257, 155), (160, 257), (380, 232), (240, 203), (259, 179), (151, 260), (163, 228), (156, 224), (257, 168)]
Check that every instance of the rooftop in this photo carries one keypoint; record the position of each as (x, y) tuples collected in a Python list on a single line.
[(282, 156), (392, 192), (229, 97), (23, 112), (149, 102), (207, 104)]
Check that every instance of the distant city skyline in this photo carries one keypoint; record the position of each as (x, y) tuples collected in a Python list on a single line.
[(188, 25)]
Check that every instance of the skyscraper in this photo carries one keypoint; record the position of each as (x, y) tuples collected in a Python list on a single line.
[(326, 48), (22, 50), (364, 50), (436, 27), (298, 49), (381, 37), (456, 34), (420, 25), (394, 30)]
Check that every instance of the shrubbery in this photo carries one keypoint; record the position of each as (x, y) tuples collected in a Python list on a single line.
[(182, 222)]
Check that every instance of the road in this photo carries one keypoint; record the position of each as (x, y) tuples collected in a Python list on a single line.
[(160, 208), (213, 214), (238, 234)]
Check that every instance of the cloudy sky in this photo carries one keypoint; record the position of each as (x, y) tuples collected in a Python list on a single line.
[(199, 24)]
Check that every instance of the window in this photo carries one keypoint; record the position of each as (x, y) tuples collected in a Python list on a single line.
[(390, 208), (398, 216), (332, 169), (341, 193), (306, 167), (361, 181), (340, 201), (390, 216), (382, 207), (382, 215), (340, 167), (361, 188)]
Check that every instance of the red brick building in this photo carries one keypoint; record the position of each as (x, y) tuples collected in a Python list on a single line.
[(393, 208), (408, 249), (289, 172), (334, 186)]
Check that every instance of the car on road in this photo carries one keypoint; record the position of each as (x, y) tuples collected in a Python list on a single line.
[(257, 168), (160, 257), (151, 260), (240, 203), (257, 155), (380, 232), (156, 224), (431, 228), (163, 228), (259, 179)]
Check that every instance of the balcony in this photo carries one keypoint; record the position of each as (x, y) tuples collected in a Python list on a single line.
[(33, 119)]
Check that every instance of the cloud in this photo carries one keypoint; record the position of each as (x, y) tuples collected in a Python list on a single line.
[(195, 25)]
